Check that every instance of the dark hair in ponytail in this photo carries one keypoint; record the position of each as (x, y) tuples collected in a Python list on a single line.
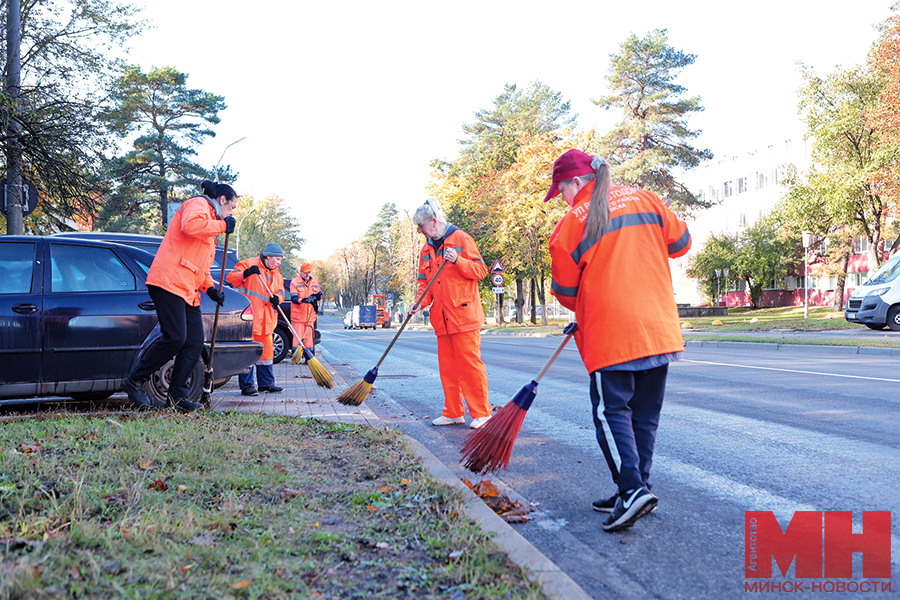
[(215, 190)]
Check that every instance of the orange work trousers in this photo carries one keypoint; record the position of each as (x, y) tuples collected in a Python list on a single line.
[(302, 318), (463, 374), (268, 348)]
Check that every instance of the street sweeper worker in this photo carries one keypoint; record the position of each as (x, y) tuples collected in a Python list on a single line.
[(305, 297), (260, 280), (610, 256), (179, 272), (456, 314)]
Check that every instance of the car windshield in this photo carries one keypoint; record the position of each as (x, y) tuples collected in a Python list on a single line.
[(887, 273)]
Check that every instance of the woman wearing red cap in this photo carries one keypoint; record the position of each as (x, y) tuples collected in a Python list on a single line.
[(610, 257), (305, 298), (456, 314)]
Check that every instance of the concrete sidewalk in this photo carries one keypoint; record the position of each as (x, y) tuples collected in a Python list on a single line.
[(302, 397)]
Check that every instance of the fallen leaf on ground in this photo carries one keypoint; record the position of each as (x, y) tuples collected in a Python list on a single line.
[(240, 585), (145, 463), (159, 485), (29, 448), (289, 493)]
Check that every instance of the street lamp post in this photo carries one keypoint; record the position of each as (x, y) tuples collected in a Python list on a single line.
[(807, 239), (725, 273), (718, 292), (216, 168), (237, 246)]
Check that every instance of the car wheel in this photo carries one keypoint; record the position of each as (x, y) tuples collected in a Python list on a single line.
[(875, 326), (281, 339), (893, 318), (158, 385), (217, 383)]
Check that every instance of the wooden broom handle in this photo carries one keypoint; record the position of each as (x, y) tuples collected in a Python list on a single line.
[(212, 345), (570, 330), (410, 313)]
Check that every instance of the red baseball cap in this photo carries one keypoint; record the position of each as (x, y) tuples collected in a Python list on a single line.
[(571, 164)]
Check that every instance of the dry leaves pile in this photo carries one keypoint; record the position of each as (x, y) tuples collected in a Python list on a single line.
[(508, 509)]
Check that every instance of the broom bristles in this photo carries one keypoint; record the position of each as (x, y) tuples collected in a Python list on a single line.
[(357, 393), (320, 373), (488, 448), (298, 355)]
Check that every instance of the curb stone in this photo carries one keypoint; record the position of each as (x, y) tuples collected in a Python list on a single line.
[(554, 582)]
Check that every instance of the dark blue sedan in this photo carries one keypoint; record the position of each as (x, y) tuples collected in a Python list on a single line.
[(75, 317)]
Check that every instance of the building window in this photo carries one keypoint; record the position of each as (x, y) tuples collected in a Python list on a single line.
[(728, 190), (742, 219), (762, 180), (861, 245), (742, 185), (713, 193)]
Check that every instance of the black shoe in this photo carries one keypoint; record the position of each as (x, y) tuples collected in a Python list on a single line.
[(607, 505), (183, 404), (249, 392), (271, 389), (629, 508), (136, 394)]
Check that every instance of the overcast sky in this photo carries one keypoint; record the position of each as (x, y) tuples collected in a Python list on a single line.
[(344, 104)]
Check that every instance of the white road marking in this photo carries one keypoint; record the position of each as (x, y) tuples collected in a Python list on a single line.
[(705, 362)]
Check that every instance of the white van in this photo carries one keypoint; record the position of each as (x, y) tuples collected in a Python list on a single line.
[(876, 303)]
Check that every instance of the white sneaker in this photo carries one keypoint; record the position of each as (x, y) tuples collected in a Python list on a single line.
[(442, 420), (476, 423)]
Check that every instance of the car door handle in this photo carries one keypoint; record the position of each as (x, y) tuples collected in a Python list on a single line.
[(147, 305), (26, 308)]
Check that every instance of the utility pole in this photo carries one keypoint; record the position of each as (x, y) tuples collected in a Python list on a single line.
[(14, 224)]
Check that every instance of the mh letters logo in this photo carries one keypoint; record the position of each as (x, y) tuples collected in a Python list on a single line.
[(822, 542)]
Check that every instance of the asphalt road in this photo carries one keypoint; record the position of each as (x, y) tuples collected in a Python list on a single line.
[(743, 428)]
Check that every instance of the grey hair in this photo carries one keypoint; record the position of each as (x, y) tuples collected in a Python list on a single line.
[(431, 209)]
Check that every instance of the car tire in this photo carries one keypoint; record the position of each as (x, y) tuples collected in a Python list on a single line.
[(875, 326), (281, 339), (893, 318), (158, 385)]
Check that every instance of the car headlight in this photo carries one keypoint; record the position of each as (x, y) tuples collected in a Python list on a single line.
[(879, 291)]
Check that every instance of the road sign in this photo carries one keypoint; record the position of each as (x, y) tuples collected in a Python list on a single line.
[(497, 279), (389, 296), (498, 290), (497, 267)]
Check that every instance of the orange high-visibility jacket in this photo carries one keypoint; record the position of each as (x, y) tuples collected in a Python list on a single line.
[(302, 314), (265, 317), (620, 287), (182, 263), (454, 299)]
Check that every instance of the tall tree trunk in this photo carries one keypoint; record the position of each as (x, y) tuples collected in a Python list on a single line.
[(838, 301), (533, 303), (520, 302)]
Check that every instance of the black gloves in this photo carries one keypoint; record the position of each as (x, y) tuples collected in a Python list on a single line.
[(254, 270), (315, 297), (315, 306), (276, 302), (306, 300), (229, 224), (215, 295)]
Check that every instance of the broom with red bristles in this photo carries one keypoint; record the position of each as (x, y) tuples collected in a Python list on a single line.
[(488, 448), (357, 393)]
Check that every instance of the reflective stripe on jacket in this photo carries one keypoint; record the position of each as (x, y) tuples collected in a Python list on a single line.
[(454, 299), (265, 317), (620, 287), (187, 252)]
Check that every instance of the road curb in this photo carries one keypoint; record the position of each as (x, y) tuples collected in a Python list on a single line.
[(554, 582), (817, 349)]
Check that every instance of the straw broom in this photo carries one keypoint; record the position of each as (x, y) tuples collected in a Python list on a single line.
[(319, 372), (356, 394), (206, 396), (488, 448)]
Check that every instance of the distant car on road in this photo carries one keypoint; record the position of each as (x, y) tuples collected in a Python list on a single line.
[(348, 319), (77, 317), (282, 336)]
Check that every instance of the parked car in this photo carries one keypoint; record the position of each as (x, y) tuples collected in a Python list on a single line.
[(282, 336), (77, 317), (876, 303), (363, 316)]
